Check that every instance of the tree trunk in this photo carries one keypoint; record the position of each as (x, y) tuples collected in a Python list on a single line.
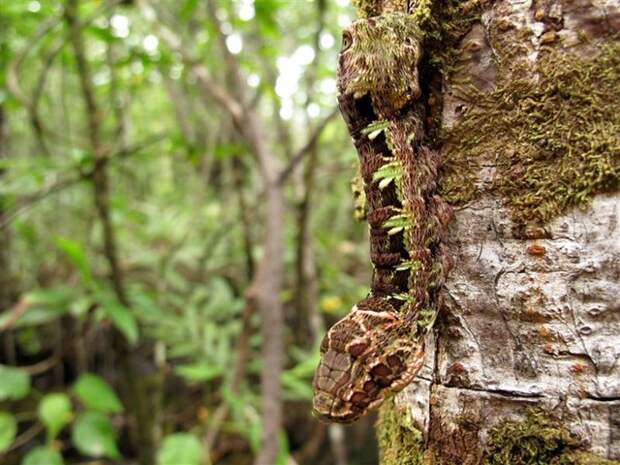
[(523, 366)]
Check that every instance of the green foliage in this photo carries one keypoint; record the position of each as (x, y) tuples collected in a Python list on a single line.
[(297, 381), (77, 255), (391, 171), (96, 394), (174, 211), (43, 456), (375, 128), (201, 371), (120, 315), (180, 449), (93, 435), (45, 305), (398, 223), (14, 383), (8, 429), (55, 413)]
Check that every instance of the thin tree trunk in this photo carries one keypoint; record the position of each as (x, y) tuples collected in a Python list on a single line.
[(309, 321), (138, 394), (524, 363), (8, 286)]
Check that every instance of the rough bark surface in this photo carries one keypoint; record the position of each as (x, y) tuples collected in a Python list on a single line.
[(532, 317)]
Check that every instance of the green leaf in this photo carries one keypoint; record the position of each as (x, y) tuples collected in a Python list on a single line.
[(203, 371), (375, 128), (180, 449), (413, 265), (55, 412), (14, 383), (295, 388), (44, 305), (397, 223), (8, 429), (43, 456), (284, 452), (75, 252), (96, 394), (387, 173), (121, 316), (93, 435)]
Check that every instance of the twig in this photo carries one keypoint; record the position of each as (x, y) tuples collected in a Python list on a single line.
[(207, 84), (58, 186), (17, 311), (12, 79), (302, 152), (42, 366), (25, 437)]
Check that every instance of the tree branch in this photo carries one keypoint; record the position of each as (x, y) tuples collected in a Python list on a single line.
[(28, 201), (12, 78), (307, 148), (207, 84)]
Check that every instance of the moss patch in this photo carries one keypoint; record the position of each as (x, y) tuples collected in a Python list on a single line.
[(538, 440), (445, 23), (400, 443), (382, 61), (554, 142)]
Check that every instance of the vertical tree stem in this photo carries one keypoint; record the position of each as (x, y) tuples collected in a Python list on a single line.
[(143, 427)]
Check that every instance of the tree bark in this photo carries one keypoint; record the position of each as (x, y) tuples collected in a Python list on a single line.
[(528, 338)]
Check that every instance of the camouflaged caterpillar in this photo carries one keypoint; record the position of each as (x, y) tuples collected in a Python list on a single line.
[(377, 349)]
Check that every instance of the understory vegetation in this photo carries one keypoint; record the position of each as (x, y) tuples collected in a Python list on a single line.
[(132, 228)]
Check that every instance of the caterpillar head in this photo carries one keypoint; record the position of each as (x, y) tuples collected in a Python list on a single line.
[(364, 357), (379, 58)]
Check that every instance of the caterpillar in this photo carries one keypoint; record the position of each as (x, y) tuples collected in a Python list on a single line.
[(378, 347)]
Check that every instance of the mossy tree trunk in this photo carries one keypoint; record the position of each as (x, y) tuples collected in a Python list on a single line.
[(524, 362)]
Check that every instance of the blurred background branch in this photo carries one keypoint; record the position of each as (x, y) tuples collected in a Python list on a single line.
[(175, 230)]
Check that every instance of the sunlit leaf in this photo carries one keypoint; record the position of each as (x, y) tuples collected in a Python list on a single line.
[(8, 429), (44, 305), (198, 372), (180, 449), (93, 435), (121, 316), (55, 412), (96, 394), (75, 252), (296, 388), (43, 456), (375, 128), (14, 383)]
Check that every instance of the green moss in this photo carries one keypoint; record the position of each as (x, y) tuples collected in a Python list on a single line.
[(554, 140), (445, 23), (369, 8), (382, 61), (400, 443), (538, 440)]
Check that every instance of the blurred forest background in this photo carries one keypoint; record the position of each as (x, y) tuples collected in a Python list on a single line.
[(149, 312)]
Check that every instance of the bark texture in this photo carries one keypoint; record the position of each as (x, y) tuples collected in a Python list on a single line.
[(532, 321)]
